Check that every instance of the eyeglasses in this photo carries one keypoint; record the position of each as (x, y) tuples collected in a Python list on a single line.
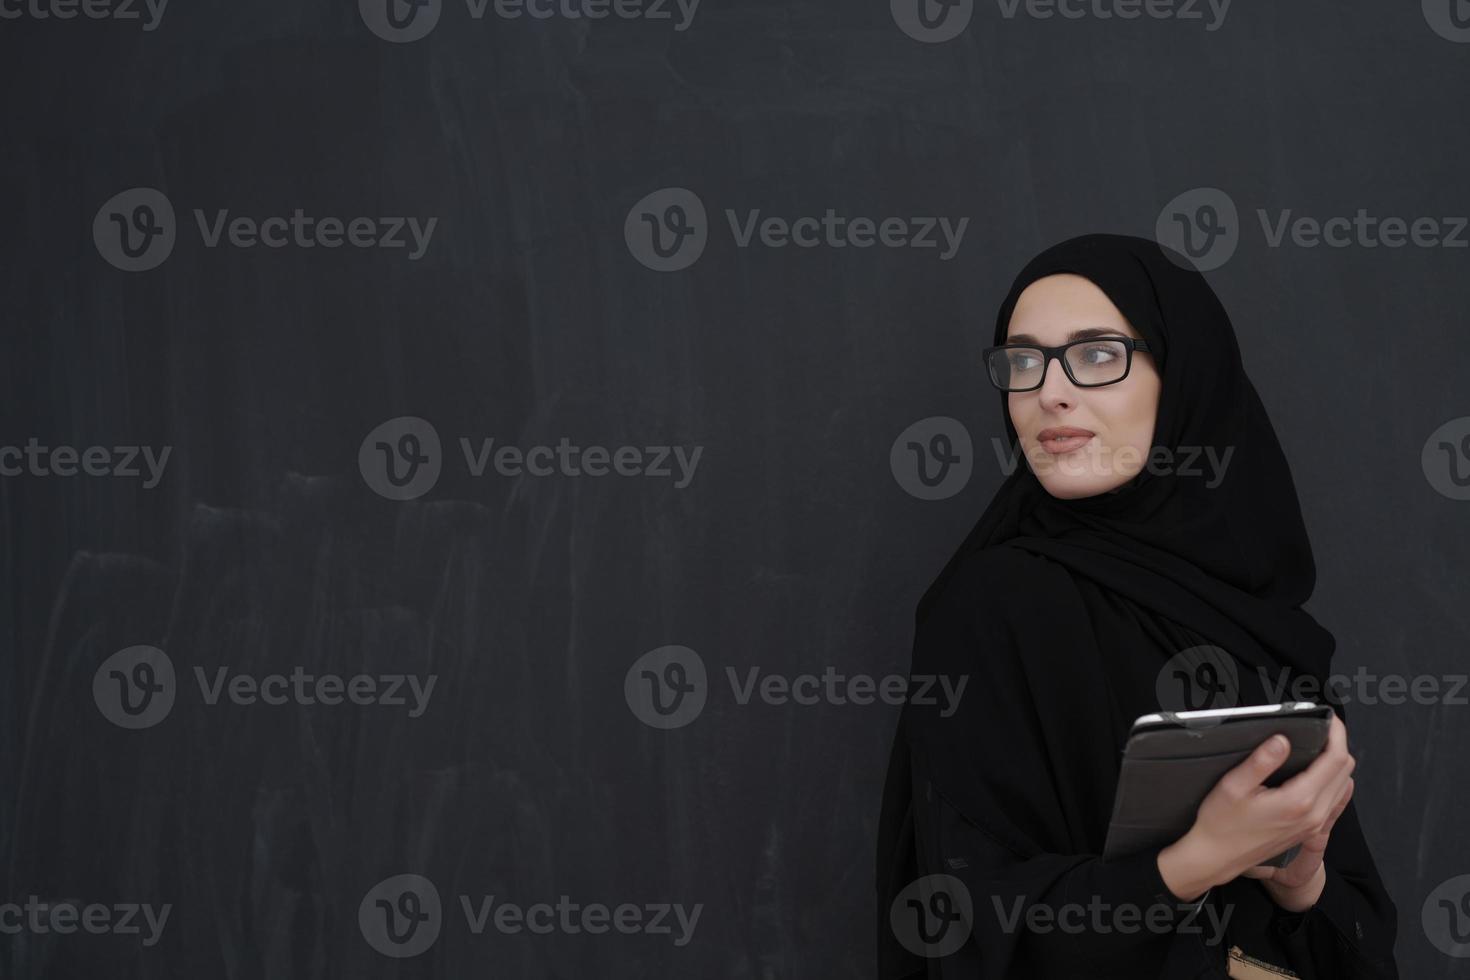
[(1089, 363)]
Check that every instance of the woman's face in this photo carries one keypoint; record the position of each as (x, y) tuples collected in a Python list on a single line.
[(1116, 421)]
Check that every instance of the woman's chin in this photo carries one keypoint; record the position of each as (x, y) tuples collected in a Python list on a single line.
[(1072, 486)]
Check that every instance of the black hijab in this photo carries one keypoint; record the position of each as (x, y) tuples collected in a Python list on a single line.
[(1062, 613), (1239, 548)]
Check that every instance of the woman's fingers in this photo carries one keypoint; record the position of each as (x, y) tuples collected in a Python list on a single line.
[(1307, 793), (1316, 842), (1337, 810), (1266, 759)]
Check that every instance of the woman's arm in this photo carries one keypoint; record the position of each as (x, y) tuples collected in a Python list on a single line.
[(1049, 913)]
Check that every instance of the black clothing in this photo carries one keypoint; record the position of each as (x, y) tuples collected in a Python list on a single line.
[(1063, 614)]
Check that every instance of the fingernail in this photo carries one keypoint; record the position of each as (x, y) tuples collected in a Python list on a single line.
[(1278, 745)]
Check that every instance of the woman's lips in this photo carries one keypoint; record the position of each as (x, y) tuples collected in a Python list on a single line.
[(1063, 439)]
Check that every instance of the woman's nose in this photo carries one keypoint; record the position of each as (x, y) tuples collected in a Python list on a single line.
[(1057, 390)]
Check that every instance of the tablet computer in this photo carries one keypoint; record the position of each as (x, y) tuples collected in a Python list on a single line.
[(1174, 758)]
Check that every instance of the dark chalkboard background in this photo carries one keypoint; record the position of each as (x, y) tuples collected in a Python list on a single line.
[(536, 314)]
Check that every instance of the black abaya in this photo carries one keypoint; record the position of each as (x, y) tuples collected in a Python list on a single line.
[(1063, 613)]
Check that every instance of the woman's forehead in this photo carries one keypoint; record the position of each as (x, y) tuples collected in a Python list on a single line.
[(1054, 306)]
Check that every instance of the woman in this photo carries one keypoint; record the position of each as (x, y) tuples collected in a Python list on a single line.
[(1097, 571)]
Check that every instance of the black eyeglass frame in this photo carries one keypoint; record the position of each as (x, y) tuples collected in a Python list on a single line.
[(1059, 353)]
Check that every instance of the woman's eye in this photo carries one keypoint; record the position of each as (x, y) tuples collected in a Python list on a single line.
[(1101, 353), (1023, 362)]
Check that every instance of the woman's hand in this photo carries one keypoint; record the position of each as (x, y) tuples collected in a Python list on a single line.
[(1297, 886), (1242, 823)]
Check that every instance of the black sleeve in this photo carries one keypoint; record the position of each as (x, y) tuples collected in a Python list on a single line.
[(1050, 914), (1349, 933)]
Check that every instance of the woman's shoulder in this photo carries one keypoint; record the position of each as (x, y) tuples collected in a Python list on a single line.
[(990, 605), (999, 578)]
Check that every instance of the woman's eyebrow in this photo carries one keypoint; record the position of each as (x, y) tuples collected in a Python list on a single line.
[(1026, 338)]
